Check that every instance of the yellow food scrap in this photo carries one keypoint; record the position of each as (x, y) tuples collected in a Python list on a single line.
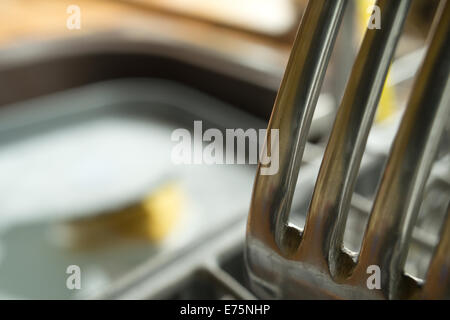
[(162, 211), (153, 218)]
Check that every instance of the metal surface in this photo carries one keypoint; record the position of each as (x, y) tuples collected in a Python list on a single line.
[(200, 270), (286, 262), (91, 150), (67, 104), (400, 193), (292, 114)]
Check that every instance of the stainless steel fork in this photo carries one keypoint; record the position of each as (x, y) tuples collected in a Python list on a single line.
[(286, 262)]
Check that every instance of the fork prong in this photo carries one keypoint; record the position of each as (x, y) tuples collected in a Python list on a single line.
[(437, 282), (324, 230), (292, 114), (397, 203)]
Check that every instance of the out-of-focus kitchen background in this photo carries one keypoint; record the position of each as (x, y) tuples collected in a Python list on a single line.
[(86, 117)]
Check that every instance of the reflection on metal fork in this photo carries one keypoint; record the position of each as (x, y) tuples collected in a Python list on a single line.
[(292, 116), (284, 262)]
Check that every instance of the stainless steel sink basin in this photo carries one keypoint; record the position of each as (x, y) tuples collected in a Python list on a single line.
[(85, 127), (106, 105)]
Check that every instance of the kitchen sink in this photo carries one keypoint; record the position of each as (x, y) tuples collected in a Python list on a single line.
[(85, 127)]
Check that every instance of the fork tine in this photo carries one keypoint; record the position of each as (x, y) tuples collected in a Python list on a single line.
[(388, 233), (292, 114), (325, 224), (437, 283)]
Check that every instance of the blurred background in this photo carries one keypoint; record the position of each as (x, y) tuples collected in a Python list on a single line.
[(86, 117)]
